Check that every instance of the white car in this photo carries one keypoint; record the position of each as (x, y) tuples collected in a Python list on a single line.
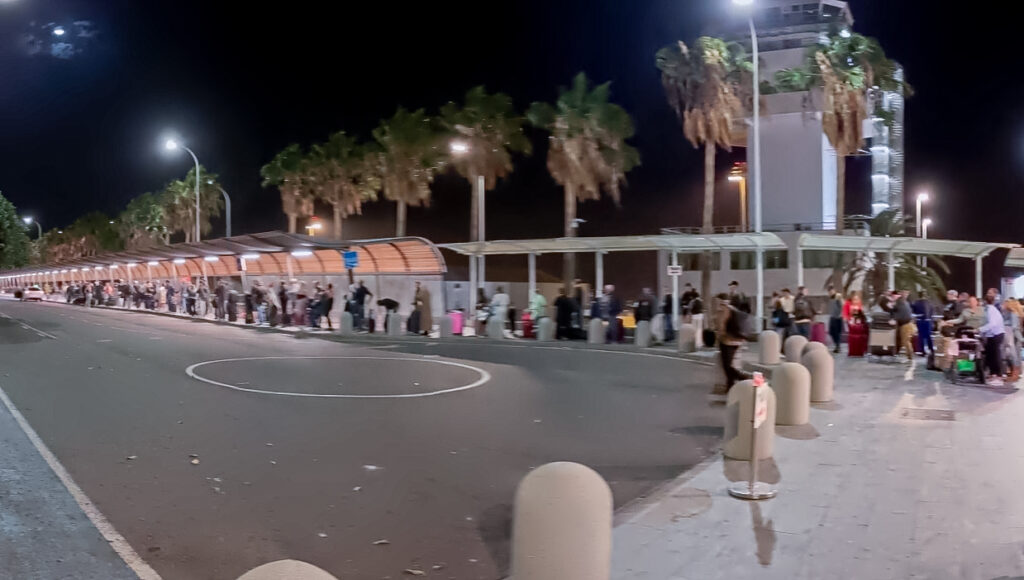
[(33, 293)]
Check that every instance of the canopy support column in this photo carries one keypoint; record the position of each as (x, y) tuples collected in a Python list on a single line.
[(892, 270), (977, 277), (599, 274), (471, 309), (799, 266), (675, 294), (531, 260)]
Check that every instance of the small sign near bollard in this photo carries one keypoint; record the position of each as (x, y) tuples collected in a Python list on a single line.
[(754, 489), (675, 270)]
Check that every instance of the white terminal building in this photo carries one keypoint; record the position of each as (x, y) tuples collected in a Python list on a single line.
[(798, 162)]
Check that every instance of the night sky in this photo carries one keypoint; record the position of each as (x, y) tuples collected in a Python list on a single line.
[(82, 122)]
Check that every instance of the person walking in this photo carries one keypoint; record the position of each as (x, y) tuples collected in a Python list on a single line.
[(422, 301), (923, 312), (835, 317), (803, 314), (564, 309), (610, 308), (360, 296), (904, 317), (730, 339), (499, 305), (327, 305)]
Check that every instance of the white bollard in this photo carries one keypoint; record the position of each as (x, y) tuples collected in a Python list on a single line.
[(792, 385), (545, 329), (687, 338), (395, 327), (642, 334), (822, 368), (812, 345), (739, 412), (446, 327), (287, 570), (596, 331), (345, 324), (793, 346), (658, 328), (562, 528), (496, 327), (768, 343)]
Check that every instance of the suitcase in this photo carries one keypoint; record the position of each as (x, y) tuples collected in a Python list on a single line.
[(371, 325), (456, 317), (528, 326), (709, 338), (857, 340), (413, 324), (818, 333), (233, 314)]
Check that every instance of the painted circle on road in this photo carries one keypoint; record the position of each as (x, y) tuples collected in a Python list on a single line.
[(484, 377)]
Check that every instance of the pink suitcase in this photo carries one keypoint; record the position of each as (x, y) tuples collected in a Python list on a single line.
[(456, 318), (818, 333)]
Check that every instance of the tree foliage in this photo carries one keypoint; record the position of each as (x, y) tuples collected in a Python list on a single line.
[(14, 243), (285, 171), (179, 203), (143, 222), (341, 173), (411, 154), (491, 130)]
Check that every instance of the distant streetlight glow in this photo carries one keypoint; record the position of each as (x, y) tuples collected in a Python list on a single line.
[(302, 253), (845, 33), (170, 144), (314, 226), (459, 147), (921, 198), (743, 2), (27, 220), (59, 31)]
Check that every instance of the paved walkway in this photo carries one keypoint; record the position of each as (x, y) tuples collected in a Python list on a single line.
[(901, 477), (44, 534)]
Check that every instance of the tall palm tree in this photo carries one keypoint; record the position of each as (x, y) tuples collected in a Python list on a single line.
[(587, 149), (491, 130), (411, 153), (342, 174), (285, 171), (179, 203), (702, 87)]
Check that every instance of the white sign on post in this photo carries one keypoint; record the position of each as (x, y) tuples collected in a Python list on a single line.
[(675, 270), (760, 400)]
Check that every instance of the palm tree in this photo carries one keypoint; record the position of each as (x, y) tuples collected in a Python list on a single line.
[(342, 174), (587, 149), (409, 157), (179, 203), (142, 224), (872, 271), (491, 130), (701, 86), (285, 172)]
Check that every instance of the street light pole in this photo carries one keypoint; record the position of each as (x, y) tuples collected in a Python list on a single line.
[(39, 228), (921, 197), (172, 144), (227, 208), (924, 235)]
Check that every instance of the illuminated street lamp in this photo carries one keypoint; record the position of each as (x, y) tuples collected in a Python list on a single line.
[(172, 145), (921, 198), (227, 208), (314, 226), (459, 148), (738, 174), (924, 234), (757, 158), (28, 220)]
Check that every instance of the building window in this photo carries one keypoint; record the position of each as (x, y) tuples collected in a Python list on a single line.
[(773, 260), (691, 262), (825, 259)]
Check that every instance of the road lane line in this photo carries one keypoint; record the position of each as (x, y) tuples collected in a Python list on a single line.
[(27, 326), (103, 525)]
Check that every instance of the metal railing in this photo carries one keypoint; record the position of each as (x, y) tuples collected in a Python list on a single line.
[(856, 223)]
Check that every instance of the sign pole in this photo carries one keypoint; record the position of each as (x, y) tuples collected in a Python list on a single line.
[(754, 489)]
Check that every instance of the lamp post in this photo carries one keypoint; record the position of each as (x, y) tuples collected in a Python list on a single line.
[(172, 145), (924, 235), (227, 208), (39, 228), (921, 198), (459, 148), (739, 175), (757, 160)]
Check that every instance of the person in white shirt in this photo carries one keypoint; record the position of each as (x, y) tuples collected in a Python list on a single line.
[(499, 305), (993, 332)]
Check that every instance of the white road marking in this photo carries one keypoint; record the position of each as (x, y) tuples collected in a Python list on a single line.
[(103, 525), (27, 326), (104, 340), (484, 377)]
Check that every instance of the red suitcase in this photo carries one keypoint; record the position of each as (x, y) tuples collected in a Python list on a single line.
[(857, 340), (818, 333), (527, 325)]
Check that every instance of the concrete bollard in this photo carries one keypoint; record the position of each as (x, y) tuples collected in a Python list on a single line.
[(596, 331), (345, 325), (495, 327), (810, 346), (822, 367), (687, 338), (792, 385), (768, 343), (793, 346), (395, 327), (658, 328), (642, 334), (287, 570), (562, 527), (739, 410), (446, 327), (545, 329)]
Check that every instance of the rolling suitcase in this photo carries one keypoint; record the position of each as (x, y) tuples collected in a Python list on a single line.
[(414, 322), (527, 326), (857, 340), (818, 333)]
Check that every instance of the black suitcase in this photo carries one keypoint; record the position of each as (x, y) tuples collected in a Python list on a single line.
[(414, 322), (371, 325), (709, 338)]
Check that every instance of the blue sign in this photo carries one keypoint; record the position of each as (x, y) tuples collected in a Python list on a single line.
[(351, 260)]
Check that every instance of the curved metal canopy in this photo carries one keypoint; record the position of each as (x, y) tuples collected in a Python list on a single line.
[(901, 245), (686, 244)]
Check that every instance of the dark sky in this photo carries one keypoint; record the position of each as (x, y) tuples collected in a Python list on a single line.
[(82, 130)]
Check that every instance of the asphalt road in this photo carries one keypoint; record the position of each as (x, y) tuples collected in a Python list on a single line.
[(321, 478)]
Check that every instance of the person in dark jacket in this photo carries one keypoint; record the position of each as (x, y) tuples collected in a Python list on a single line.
[(670, 324), (803, 313), (565, 307), (645, 306), (738, 299), (835, 317), (220, 300), (904, 318), (923, 312), (730, 339)]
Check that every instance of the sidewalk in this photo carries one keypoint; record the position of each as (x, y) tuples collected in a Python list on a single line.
[(898, 478), (44, 534)]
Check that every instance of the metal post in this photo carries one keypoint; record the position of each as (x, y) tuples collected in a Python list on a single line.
[(892, 271), (977, 277), (227, 209), (757, 172), (743, 205), (481, 224), (532, 264), (599, 274), (753, 490), (675, 294), (799, 265), (472, 290), (196, 159)]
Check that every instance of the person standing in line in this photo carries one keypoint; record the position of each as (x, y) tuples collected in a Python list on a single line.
[(923, 312), (190, 300), (273, 301), (610, 308), (685, 299), (538, 305), (904, 317), (645, 306), (670, 324), (161, 296), (327, 304), (835, 317), (993, 332), (696, 309), (803, 314), (172, 301), (282, 297), (1013, 314), (781, 319), (499, 305), (359, 296), (738, 299), (220, 298), (315, 306), (564, 308), (422, 301), (483, 312), (730, 339)]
